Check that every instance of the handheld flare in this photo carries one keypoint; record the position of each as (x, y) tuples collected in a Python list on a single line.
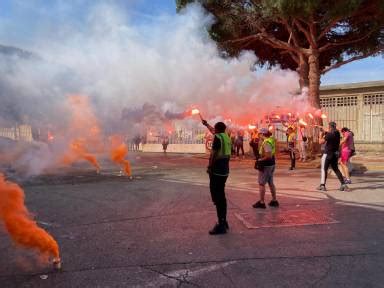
[(196, 112), (56, 263), (302, 122)]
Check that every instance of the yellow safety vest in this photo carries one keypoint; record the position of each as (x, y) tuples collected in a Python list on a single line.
[(225, 147), (272, 142)]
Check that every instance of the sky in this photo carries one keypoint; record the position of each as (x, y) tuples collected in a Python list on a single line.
[(22, 20)]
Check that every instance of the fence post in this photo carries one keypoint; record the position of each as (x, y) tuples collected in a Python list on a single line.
[(360, 117)]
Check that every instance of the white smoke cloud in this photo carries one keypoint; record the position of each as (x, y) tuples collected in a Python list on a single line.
[(169, 62)]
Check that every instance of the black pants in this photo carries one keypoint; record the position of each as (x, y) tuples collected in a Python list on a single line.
[(238, 148), (217, 186), (255, 149), (331, 160), (292, 157)]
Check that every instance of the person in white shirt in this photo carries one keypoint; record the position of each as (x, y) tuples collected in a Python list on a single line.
[(302, 141)]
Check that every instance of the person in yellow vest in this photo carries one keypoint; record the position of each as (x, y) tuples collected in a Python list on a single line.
[(266, 166), (218, 170)]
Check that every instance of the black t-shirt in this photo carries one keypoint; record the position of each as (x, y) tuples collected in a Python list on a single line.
[(332, 144), (219, 166)]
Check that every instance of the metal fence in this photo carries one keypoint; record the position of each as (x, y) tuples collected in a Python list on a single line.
[(18, 132), (181, 136)]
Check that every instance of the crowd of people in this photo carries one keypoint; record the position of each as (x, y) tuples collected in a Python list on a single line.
[(335, 150)]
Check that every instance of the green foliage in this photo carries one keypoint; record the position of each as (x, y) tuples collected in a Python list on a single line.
[(357, 23)]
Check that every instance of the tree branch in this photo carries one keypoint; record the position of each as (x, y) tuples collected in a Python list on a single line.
[(330, 45), (305, 32), (341, 63), (328, 28), (268, 39)]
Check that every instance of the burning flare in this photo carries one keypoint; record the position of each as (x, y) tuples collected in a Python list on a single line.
[(251, 127), (302, 122), (310, 115), (20, 225), (195, 112), (323, 116)]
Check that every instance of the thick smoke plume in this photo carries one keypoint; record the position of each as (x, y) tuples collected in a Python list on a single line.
[(20, 225), (136, 75)]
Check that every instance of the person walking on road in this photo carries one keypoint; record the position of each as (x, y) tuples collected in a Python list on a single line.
[(302, 141), (291, 147), (239, 144), (165, 143), (254, 143), (331, 149), (347, 148), (218, 170), (266, 166)]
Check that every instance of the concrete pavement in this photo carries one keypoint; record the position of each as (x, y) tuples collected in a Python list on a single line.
[(152, 231)]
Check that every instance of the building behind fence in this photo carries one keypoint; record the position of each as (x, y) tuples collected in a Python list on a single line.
[(360, 107)]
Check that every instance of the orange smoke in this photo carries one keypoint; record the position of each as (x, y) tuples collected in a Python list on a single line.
[(118, 153), (78, 151), (19, 224), (84, 131)]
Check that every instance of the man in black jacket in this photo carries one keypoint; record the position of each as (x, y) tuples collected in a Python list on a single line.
[(331, 150)]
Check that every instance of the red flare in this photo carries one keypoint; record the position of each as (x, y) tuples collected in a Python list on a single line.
[(251, 127), (19, 223), (323, 116), (195, 112), (50, 136), (318, 113), (310, 115), (302, 122)]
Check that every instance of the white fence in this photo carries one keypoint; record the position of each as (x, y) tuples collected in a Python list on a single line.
[(19, 132)]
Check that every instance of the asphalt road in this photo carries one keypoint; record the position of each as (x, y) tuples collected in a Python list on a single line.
[(153, 231)]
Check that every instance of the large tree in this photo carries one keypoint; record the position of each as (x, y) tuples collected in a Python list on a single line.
[(310, 36)]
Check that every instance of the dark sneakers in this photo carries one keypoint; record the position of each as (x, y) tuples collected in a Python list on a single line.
[(321, 187), (258, 204), (343, 187), (273, 203), (226, 225), (218, 229)]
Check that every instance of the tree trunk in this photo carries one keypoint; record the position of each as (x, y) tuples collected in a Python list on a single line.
[(314, 95), (303, 70), (314, 78)]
